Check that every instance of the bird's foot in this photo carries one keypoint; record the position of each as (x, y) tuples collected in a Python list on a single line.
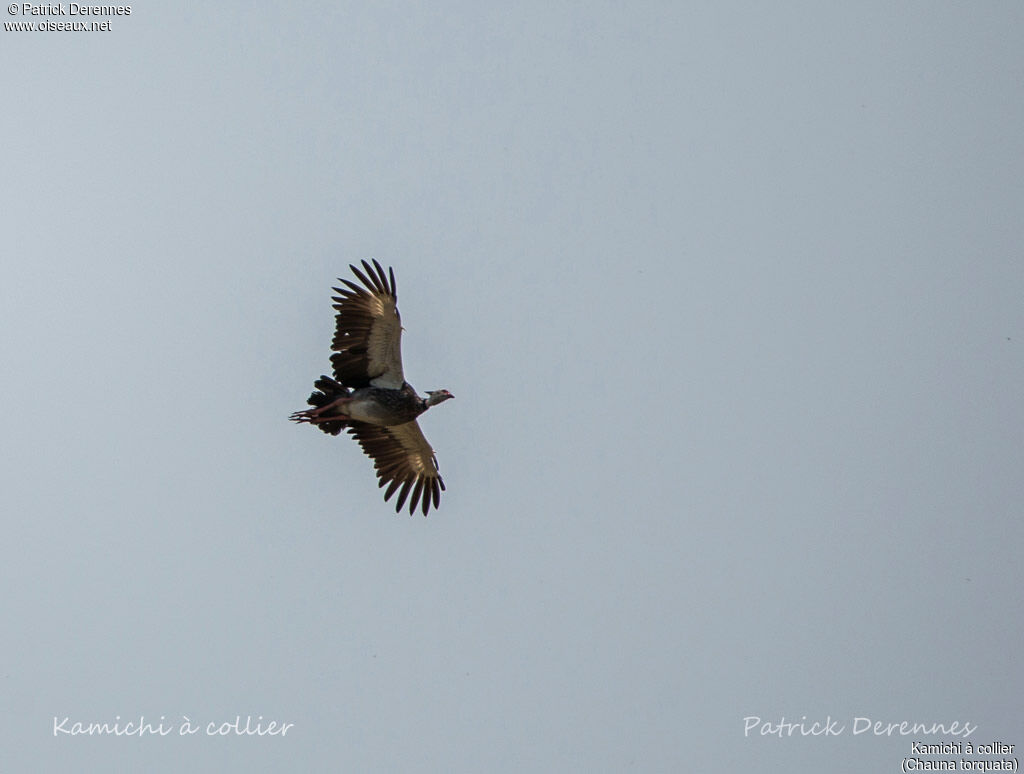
[(315, 416), (301, 416)]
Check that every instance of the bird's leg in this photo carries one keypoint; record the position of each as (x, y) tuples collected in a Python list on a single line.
[(315, 415)]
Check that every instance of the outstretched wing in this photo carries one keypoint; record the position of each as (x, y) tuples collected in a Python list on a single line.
[(402, 458), (368, 330)]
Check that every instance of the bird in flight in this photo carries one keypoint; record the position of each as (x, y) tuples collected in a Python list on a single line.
[(369, 397)]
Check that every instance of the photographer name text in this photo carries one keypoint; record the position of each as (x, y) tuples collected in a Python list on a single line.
[(753, 725), (68, 9)]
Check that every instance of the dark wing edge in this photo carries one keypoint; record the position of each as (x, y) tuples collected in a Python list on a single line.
[(404, 462), (368, 330)]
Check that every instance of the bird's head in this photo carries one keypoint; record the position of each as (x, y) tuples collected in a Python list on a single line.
[(437, 396)]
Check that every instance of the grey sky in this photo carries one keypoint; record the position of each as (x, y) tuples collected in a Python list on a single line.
[(731, 301)]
